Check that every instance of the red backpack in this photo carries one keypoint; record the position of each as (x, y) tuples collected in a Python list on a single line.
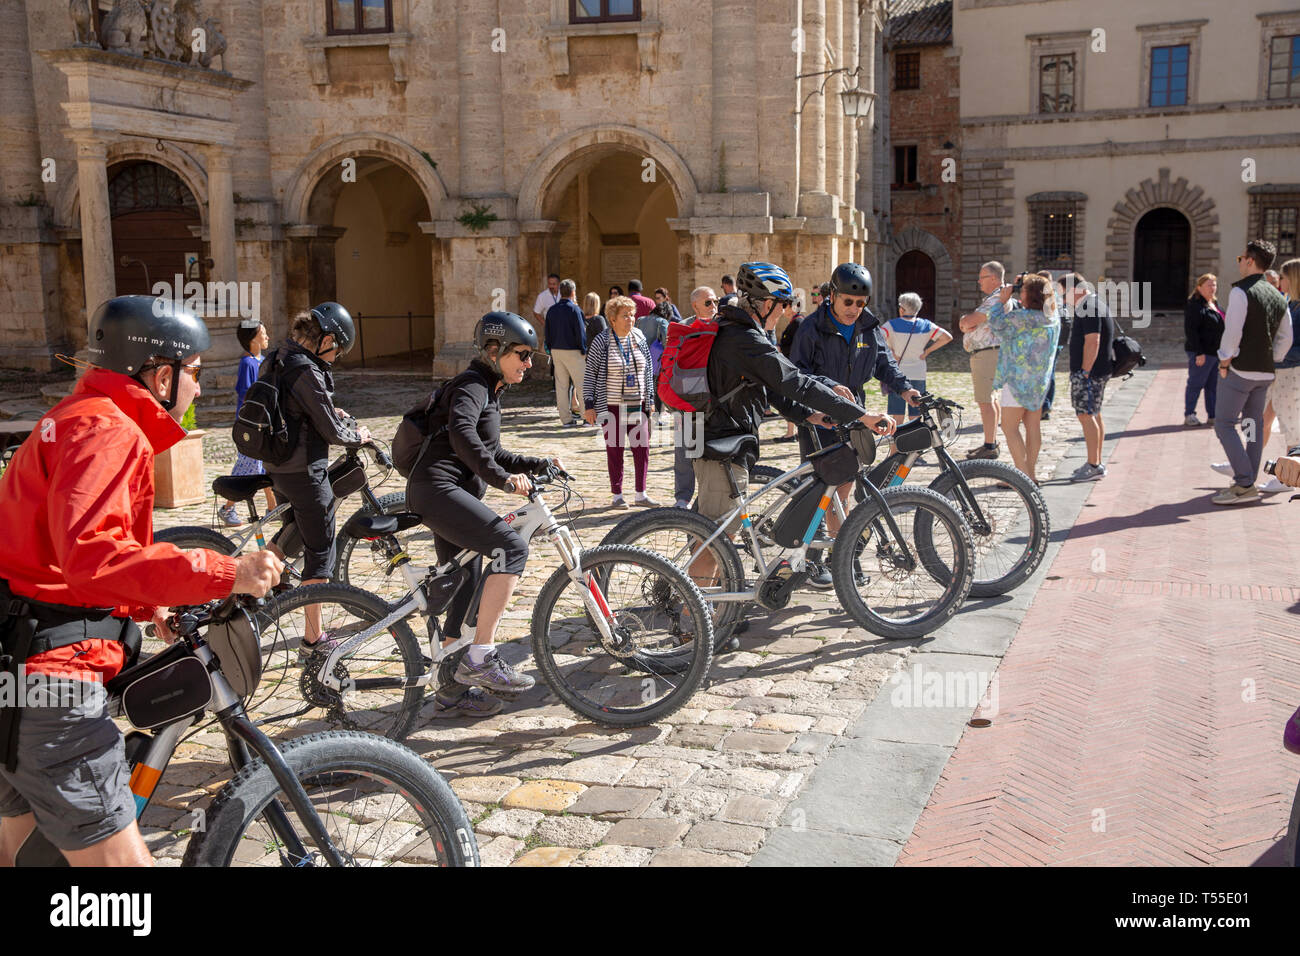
[(684, 367)]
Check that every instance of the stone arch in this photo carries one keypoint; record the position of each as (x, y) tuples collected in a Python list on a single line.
[(552, 160), (1153, 194), (913, 237), (303, 182), (67, 209)]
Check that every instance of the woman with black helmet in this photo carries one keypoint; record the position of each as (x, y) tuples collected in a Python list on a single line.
[(317, 339), (446, 488)]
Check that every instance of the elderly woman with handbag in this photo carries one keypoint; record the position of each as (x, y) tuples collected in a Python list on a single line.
[(1028, 336), (618, 387)]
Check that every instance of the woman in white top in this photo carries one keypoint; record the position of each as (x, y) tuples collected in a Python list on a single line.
[(912, 339)]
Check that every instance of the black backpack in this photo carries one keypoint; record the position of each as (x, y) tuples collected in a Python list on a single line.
[(415, 432), (1126, 354), (262, 430)]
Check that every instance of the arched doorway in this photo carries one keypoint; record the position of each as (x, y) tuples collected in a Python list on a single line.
[(914, 272), (374, 259), (1162, 245), (616, 224), (154, 220)]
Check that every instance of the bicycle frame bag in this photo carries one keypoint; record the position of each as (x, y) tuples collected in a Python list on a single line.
[(164, 689), (836, 465), (914, 436), (238, 648), (793, 522), (347, 476)]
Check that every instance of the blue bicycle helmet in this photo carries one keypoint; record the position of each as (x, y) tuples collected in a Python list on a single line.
[(758, 281)]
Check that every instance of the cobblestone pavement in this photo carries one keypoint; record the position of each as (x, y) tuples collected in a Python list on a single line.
[(544, 788)]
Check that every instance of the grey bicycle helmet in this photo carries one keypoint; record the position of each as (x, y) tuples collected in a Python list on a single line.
[(506, 329)]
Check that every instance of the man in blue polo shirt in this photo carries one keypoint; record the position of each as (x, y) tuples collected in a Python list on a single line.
[(566, 341)]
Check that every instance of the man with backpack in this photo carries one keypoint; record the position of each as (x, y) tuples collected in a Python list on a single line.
[(745, 372)]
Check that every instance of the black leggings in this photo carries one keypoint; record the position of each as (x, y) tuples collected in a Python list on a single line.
[(458, 521), (314, 504)]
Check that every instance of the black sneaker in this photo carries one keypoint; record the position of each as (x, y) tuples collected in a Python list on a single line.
[(983, 451)]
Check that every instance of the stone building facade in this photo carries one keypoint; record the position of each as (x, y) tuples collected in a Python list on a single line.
[(1135, 142), (921, 235), (420, 161)]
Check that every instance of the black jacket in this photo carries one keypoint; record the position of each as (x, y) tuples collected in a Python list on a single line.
[(1202, 326), (747, 372), (309, 401), (820, 350), (466, 449)]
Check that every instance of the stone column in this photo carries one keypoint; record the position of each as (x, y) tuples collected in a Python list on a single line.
[(482, 123), (813, 132), (864, 81), (778, 98), (831, 98), (221, 213), (96, 220), (865, 139), (735, 87)]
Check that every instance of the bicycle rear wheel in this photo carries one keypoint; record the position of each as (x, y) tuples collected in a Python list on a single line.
[(621, 681), (901, 592), (1012, 546), (678, 534), (380, 804), (380, 694)]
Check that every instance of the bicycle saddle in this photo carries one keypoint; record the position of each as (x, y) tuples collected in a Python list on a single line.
[(239, 488), (731, 448), (376, 526)]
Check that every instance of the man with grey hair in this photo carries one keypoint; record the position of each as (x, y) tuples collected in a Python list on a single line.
[(566, 341), (982, 344), (688, 430)]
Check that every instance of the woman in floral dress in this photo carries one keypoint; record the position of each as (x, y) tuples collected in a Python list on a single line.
[(1028, 334)]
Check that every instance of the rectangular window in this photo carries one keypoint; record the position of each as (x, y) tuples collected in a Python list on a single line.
[(907, 71), (1054, 246), (1280, 229), (904, 167), (1169, 75), (1284, 67), (603, 11), (1056, 83), (359, 16)]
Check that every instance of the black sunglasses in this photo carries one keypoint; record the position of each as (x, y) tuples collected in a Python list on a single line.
[(524, 355)]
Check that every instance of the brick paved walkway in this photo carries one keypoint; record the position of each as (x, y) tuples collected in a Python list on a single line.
[(1140, 707)]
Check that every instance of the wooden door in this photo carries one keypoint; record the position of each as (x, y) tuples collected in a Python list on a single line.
[(914, 273), (1161, 256)]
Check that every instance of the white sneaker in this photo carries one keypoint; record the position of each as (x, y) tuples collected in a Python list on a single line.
[(1273, 486), (619, 503), (645, 501), (1222, 467), (684, 505), (1191, 421)]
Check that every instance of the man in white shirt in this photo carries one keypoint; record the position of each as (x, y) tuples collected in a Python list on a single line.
[(1256, 333), (545, 299), (982, 344)]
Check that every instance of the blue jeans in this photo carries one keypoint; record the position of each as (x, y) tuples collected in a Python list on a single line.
[(1201, 378), (895, 405), (1051, 385)]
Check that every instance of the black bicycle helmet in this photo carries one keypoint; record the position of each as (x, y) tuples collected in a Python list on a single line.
[(336, 321), (505, 328), (128, 331), (758, 281), (851, 279)]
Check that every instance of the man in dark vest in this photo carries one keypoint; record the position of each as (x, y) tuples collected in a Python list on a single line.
[(1254, 336)]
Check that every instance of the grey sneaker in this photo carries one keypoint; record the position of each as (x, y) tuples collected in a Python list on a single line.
[(493, 674), (326, 643), (983, 451), (466, 701), (1089, 472), (1236, 494)]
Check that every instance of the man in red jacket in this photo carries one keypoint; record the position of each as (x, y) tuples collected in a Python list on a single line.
[(76, 503)]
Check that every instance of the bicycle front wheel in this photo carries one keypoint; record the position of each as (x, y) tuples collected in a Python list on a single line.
[(379, 802), (651, 608), (903, 589), (1013, 540), (380, 694)]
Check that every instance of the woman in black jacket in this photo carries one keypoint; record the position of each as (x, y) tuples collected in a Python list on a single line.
[(1203, 327), (446, 488)]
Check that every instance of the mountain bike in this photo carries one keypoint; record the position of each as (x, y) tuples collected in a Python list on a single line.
[(597, 625), (893, 584), (1008, 519), (336, 799)]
